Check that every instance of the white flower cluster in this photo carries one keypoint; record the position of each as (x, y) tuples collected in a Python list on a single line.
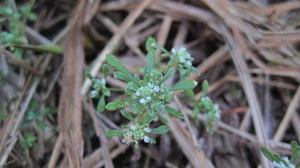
[(281, 164), (212, 109), (183, 56), (217, 111), (102, 81), (146, 92), (135, 133)]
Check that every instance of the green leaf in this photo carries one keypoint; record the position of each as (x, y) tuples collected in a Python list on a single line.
[(189, 93), (160, 130), (122, 76), (168, 75), (270, 155), (174, 113), (127, 115), (205, 86), (150, 44), (40, 125), (89, 76), (106, 91), (116, 104), (114, 62), (147, 118), (105, 69), (150, 60), (112, 133), (295, 152), (54, 49), (101, 104), (184, 85), (195, 112), (163, 120)]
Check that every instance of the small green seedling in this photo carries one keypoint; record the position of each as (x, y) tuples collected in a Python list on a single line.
[(147, 99), (206, 104)]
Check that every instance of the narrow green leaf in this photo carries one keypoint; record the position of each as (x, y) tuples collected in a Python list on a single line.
[(150, 44), (295, 151), (114, 62), (101, 104), (184, 85), (54, 49), (163, 120), (150, 59), (174, 113), (122, 76), (147, 118), (105, 69), (168, 75), (195, 112), (116, 104), (160, 130), (112, 133), (270, 155), (205, 86), (106, 92), (127, 115), (189, 93)]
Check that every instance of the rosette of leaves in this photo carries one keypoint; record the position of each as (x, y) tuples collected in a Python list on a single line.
[(284, 162), (147, 97)]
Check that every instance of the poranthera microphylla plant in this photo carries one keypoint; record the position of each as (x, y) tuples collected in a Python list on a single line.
[(279, 162), (148, 98)]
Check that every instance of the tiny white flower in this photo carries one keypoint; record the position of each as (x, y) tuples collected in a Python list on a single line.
[(137, 93), (195, 82), (148, 98), (147, 129), (103, 81), (133, 127), (146, 139), (94, 93), (188, 63), (181, 59), (182, 49), (276, 164), (216, 107), (150, 85), (217, 115), (143, 101), (156, 89), (286, 159), (174, 50)]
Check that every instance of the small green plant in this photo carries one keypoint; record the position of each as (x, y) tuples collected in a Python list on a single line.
[(279, 162), (147, 100), (33, 117), (15, 19), (205, 104)]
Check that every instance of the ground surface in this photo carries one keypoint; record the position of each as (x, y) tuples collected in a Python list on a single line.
[(248, 52)]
